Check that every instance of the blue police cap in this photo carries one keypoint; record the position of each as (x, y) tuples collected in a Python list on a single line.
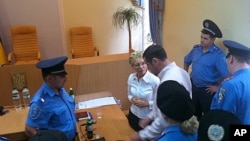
[(53, 66), (211, 27), (235, 48)]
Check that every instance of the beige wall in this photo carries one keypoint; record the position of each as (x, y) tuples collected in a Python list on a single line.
[(53, 18), (45, 14), (98, 15), (183, 23)]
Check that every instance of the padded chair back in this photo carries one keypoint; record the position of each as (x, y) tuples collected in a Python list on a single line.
[(25, 43), (82, 42)]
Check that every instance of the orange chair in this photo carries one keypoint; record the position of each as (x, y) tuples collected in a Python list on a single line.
[(25, 45), (82, 42), (3, 60)]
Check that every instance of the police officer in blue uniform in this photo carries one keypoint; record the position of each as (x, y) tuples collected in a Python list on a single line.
[(234, 93), (51, 108), (209, 67)]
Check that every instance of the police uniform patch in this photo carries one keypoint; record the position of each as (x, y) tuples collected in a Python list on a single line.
[(222, 93), (206, 24), (215, 132), (35, 111)]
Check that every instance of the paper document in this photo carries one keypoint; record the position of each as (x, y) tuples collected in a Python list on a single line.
[(97, 102)]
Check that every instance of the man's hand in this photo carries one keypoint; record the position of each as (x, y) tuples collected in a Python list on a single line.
[(135, 137), (144, 122), (30, 131), (211, 89)]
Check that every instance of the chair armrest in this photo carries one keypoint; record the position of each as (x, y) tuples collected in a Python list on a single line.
[(97, 50), (73, 53), (39, 55), (10, 57), (131, 50)]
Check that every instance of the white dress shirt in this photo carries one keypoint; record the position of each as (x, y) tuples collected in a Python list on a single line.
[(169, 72)]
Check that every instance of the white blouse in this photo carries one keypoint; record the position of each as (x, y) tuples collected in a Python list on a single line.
[(144, 88)]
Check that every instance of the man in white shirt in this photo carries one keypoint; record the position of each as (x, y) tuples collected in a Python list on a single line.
[(156, 58)]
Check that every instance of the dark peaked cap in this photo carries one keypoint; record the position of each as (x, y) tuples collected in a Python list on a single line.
[(211, 27), (174, 101), (237, 49), (215, 125), (53, 66)]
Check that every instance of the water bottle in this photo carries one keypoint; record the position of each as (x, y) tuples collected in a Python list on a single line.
[(72, 93), (16, 99), (89, 128), (26, 97)]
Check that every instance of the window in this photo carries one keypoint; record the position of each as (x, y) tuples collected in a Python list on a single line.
[(146, 41)]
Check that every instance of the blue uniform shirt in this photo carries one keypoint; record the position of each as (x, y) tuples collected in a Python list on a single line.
[(174, 133), (207, 68), (51, 111), (234, 95)]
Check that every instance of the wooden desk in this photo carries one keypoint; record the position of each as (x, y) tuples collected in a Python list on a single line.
[(113, 125), (13, 124)]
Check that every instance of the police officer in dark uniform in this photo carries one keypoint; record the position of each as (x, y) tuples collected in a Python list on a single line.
[(234, 93), (209, 67), (51, 108)]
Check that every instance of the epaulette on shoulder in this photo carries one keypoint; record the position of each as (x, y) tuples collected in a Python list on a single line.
[(228, 78), (217, 49), (196, 46)]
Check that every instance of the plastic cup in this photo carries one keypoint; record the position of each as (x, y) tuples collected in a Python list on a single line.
[(99, 113)]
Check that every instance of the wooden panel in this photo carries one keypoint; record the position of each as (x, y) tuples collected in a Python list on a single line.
[(104, 73), (99, 59), (33, 80), (85, 75)]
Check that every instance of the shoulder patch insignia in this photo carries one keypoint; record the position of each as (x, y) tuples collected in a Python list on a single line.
[(215, 132), (196, 46), (35, 111), (222, 94)]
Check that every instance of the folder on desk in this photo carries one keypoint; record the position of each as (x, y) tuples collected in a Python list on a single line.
[(97, 102), (82, 115)]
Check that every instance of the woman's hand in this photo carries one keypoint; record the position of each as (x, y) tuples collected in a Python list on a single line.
[(140, 102)]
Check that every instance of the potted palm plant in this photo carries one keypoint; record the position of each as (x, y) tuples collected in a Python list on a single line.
[(129, 17)]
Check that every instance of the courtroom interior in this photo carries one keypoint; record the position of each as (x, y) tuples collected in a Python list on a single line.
[(107, 68)]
